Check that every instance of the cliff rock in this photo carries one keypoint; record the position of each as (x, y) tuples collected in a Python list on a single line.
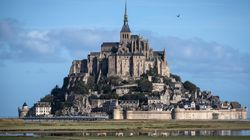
[(80, 106)]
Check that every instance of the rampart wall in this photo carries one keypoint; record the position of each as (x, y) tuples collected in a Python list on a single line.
[(159, 115), (233, 114)]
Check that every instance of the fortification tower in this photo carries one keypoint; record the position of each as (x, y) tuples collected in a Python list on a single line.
[(23, 111)]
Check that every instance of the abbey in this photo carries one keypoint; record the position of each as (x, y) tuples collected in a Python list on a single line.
[(129, 58), (128, 80)]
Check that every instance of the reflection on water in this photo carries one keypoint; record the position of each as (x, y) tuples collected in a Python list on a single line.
[(135, 133)]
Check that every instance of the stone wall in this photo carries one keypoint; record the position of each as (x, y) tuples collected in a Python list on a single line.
[(182, 114), (159, 115), (233, 114), (158, 87)]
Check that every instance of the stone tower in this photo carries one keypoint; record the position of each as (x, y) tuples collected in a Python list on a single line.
[(23, 111)]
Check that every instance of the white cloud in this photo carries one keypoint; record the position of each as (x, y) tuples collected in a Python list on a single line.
[(21, 44), (193, 56), (198, 57)]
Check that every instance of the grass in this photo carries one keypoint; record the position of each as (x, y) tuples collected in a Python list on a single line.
[(130, 138), (19, 126), (138, 125)]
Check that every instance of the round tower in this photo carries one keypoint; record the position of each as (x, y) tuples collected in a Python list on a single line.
[(116, 114), (117, 111), (23, 111)]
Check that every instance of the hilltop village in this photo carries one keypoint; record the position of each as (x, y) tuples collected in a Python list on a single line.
[(129, 80)]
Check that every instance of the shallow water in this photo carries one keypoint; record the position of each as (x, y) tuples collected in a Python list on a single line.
[(134, 133)]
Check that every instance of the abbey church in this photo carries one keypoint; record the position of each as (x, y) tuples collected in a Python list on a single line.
[(128, 58)]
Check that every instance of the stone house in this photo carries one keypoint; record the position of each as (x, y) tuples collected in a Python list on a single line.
[(42, 109), (159, 87), (129, 104)]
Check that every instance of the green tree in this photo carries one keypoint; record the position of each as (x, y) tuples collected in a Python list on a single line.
[(106, 89), (167, 80), (109, 96), (114, 80), (144, 76), (144, 85), (152, 72), (57, 93), (92, 96), (156, 79), (91, 83), (190, 86), (47, 98), (137, 96), (80, 88), (176, 77), (66, 104)]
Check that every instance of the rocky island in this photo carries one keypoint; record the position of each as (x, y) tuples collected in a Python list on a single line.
[(129, 80)]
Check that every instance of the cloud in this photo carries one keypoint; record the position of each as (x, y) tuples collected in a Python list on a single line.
[(193, 56), (201, 58), (29, 45)]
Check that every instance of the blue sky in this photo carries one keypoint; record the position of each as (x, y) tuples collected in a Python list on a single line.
[(208, 44)]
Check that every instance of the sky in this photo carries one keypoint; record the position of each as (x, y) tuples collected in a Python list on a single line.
[(207, 45)]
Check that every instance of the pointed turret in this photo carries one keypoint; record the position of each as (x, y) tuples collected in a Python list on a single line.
[(125, 32), (125, 27)]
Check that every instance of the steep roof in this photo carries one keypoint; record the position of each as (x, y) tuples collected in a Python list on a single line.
[(107, 44), (134, 36), (159, 54), (25, 104), (94, 53), (125, 28)]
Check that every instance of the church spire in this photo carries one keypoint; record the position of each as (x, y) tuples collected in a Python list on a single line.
[(125, 14), (125, 27)]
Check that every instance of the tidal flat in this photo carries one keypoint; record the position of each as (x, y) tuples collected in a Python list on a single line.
[(126, 125), (111, 130)]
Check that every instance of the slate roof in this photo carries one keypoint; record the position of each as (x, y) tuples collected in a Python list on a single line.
[(125, 28), (94, 53), (138, 54), (124, 54), (25, 104), (105, 44), (134, 36)]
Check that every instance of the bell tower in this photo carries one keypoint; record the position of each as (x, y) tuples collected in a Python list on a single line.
[(125, 32)]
